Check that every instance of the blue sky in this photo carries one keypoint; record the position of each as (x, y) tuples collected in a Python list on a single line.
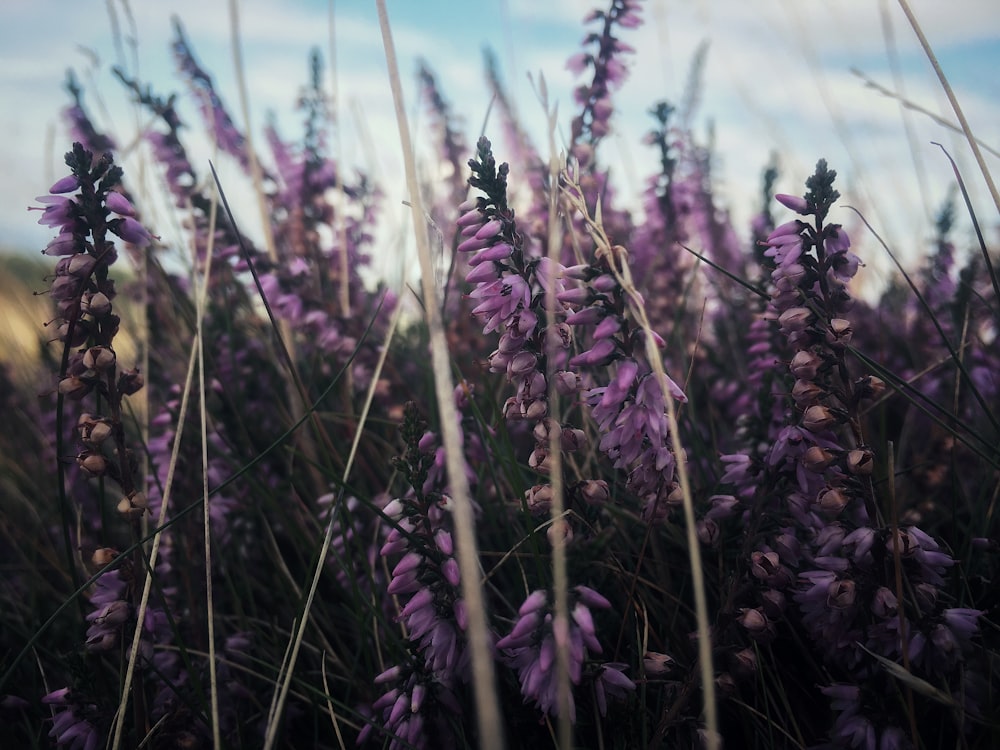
[(777, 80)]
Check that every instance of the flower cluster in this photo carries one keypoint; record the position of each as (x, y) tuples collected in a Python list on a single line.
[(530, 648)]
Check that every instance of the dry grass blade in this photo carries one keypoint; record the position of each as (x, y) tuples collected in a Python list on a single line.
[(973, 143), (299, 633), (487, 700)]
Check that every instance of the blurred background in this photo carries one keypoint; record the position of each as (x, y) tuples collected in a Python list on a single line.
[(769, 79)]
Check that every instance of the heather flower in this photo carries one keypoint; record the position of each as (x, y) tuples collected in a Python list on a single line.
[(530, 648), (72, 721)]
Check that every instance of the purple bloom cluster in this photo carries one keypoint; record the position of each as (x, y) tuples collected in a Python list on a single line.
[(530, 648), (72, 725)]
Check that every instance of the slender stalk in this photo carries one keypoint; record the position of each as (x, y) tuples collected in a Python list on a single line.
[(484, 682), (274, 718), (973, 143), (560, 582)]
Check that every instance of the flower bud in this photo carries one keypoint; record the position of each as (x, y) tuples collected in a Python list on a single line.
[(708, 532), (884, 603), (763, 565), (98, 305), (817, 418), (756, 623), (540, 460), (841, 594), (839, 333), (806, 392), (832, 501), (81, 265), (725, 685), (539, 498), (805, 365), (131, 381), (793, 202), (94, 464), (656, 664), (100, 358), (817, 459), (594, 491), (572, 439), (559, 530), (567, 383), (795, 319), (103, 555), (869, 387), (860, 462)]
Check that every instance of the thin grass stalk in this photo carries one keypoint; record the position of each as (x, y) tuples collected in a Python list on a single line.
[(898, 569), (892, 52), (329, 704), (944, 339), (694, 549), (299, 633), (912, 105), (296, 396), (207, 524), (484, 681), (560, 582), (339, 225), (953, 100), (155, 550), (620, 270)]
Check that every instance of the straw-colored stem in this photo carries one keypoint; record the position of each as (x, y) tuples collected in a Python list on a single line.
[(206, 515), (560, 582), (487, 705), (274, 718), (973, 144)]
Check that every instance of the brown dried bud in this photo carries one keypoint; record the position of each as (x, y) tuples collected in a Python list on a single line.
[(840, 332), (131, 381), (869, 387), (840, 594), (539, 498), (817, 418), (861, 462), (567, 383), (675, 497), (98, 305), (656, 664), (536, 409), (806, 392), (559, 529), (756, 623), (817, 459), (805, 365), (594, 491), (99, 358), (93, 464), (539, 460), (103, 555), (763, 565), (795, 318), (75, 388), (832, 501), (573, 439)]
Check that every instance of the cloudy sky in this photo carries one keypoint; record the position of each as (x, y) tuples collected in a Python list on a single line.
[(777, 80)]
